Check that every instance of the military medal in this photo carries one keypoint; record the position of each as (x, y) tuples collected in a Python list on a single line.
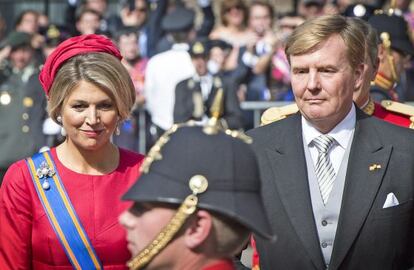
[(5, 98), (28, 102)]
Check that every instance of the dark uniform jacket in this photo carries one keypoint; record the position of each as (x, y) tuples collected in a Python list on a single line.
[(22, 113), (186, 93), (368, 237)]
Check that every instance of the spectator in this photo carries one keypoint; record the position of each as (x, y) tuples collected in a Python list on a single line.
[(219, 54), (311, 8), (280, 88), (28, 22), (200, 32), (257, 54), (22, 104), (233, 15), (75, 7), (128, 40), (166, 69), (87, 22)]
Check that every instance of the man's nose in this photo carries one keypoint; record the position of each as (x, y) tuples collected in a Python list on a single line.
[(313, 82)]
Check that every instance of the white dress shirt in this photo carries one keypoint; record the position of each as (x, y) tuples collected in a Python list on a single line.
[(342, 133), (164, 71)]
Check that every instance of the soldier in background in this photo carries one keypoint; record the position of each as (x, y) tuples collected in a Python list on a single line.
[(394, 50), (22, 102), (195, 96), (209, 203), (388, 110)]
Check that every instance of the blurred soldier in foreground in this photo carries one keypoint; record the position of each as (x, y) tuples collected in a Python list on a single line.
[(195, 209)]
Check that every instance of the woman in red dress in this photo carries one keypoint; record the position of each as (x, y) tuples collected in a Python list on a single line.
[(90, 93)]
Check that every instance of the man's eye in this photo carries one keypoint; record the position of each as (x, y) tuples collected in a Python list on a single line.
[(300, 71)]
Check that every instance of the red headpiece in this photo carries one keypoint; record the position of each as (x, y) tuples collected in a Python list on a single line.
[(71, 47)]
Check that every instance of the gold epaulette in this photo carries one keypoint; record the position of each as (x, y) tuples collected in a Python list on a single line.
[(277, 113), (400, 108)]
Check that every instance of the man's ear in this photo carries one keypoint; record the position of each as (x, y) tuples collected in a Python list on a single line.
[(199, 229), (359, 75), (381, 54)]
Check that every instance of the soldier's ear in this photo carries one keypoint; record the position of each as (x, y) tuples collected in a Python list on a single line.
[(381, 54), (198, 230)]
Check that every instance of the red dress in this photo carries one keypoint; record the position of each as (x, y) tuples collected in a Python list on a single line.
[(28, 241)]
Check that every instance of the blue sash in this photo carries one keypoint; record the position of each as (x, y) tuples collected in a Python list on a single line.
[(61, 213)]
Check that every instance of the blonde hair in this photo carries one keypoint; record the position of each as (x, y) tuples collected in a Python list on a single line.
[(101, 69), (309, 35), (371, 38)]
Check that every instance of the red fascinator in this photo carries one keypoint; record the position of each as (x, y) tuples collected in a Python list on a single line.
[(71, 47)]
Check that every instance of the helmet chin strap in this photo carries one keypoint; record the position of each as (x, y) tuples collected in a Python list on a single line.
[(386, 42), (198, 184)]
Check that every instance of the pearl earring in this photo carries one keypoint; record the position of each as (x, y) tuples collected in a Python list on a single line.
[(62, 129)]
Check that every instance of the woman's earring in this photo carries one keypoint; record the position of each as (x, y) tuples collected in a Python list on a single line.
[(117, 131), (62, 129), (63, 132)]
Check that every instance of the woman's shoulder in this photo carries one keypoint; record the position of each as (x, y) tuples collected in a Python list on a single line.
[(130, 158)]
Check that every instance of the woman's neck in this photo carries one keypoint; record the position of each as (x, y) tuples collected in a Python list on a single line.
[(95, 162)]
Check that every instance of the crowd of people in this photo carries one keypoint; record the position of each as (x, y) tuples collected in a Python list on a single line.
[(325, 183)]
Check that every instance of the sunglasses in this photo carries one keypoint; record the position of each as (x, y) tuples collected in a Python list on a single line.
[(238, 7)]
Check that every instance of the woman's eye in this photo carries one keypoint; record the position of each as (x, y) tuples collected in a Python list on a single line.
[(106, 106), (78, 106)]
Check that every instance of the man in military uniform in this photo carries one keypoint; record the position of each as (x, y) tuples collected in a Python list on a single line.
[(207, 206), (22, 101), (394, 50), (195, 96)]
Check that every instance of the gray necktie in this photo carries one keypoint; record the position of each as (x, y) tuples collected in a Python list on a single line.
[(324, 169)]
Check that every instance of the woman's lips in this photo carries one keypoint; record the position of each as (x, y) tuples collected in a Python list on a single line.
[(92, 133)]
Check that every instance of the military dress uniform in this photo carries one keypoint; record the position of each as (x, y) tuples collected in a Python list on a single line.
[(22, 112), (191, 104), (394, 35), (391, 111), (382, 88)]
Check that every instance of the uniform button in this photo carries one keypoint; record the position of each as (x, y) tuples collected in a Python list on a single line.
[(25, 129), (25, 116), (324, 245), (324, 222)]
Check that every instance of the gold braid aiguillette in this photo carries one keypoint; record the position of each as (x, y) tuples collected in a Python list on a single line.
[(198, 184)]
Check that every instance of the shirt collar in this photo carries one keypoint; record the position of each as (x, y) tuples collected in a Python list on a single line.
[(341, 132)]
